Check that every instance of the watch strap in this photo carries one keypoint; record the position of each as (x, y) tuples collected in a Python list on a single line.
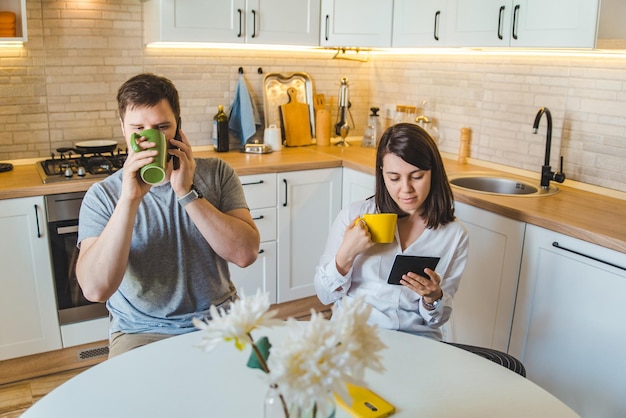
[(193, 194), (431, 306)]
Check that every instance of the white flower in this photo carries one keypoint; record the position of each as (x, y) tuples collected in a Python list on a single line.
[(358, 338), (309, 364), (244, 315)]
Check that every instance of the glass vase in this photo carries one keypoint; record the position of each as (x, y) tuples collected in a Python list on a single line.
[(274, 407)]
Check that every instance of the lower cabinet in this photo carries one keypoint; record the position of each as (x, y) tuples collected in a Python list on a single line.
[(260, 191), (308, 202), (568, 328), (260, 275), (484, 303), (356, 185), (293, 211), (28, 314)]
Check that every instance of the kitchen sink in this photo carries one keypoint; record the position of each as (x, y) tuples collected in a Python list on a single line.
[(500, 184)]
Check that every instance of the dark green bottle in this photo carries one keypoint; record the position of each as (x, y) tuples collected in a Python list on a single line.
[(220, 130)]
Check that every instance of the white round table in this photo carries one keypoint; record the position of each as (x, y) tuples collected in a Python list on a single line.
[(174, 378)]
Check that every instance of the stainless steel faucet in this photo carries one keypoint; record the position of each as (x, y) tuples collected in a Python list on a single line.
[(546, 171), (342, 127)]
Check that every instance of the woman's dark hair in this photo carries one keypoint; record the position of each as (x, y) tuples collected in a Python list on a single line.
[(147, 90), (415, 146)]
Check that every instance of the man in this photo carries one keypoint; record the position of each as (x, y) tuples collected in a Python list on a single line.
[(158, 255)]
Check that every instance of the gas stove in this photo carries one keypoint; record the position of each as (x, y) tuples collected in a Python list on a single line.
[(68, 167)]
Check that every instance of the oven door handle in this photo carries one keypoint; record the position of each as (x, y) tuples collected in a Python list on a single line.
[(64, 230)]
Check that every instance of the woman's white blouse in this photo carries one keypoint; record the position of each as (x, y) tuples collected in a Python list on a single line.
[(393, 306)]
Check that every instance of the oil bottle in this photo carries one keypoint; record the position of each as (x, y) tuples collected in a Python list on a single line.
[(220, 130)]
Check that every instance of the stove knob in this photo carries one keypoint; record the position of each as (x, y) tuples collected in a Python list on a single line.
[(68, 172), (81, 172)]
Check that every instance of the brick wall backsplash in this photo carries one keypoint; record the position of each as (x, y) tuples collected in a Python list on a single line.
[(61, 86), (498, 96)]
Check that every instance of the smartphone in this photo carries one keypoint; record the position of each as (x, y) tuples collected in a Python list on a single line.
[(176, 162), (405, 263), (365, 403)]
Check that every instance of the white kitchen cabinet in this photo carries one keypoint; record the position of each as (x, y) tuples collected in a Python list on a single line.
[(356, 23), (568, 328), (484, 303), (260, 191), (308, 202), (28, 313), (356, 186), (521, 23), (295, 22), (418, 23), (19, 8)]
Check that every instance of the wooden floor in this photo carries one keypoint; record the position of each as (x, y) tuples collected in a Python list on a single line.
[(25, 380)]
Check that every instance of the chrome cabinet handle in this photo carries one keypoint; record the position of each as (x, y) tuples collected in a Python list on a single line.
[(556, 245), (436, 29), (326, 31)]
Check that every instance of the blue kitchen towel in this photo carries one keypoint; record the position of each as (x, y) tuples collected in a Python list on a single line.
[(244, 116)]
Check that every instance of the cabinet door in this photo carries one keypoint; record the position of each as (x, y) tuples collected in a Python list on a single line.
[(308, 203), (260, 275), (418, 23), (554, 23), (569, 322), (19, 8), (260, 191), (356, 23), (478, 22), (484, 303), (194, 21), (293, 22), (28, 312), (356, 186)]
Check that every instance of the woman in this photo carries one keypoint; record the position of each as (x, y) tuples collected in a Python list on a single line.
[(411, 182)]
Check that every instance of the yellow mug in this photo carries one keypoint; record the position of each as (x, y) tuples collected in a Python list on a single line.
[(382, 226)]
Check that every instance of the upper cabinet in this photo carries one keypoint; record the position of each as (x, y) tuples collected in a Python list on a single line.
[(522, 23), (295, 22), (418, 23), (356, 23), (611, 29), (19, 33)]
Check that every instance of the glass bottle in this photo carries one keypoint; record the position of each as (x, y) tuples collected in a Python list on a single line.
[(273, 406), (220, 130), (400, 114), (427, 123), (373, 131), (410, 114)]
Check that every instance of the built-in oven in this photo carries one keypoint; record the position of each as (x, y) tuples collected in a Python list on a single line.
[(62, 211)]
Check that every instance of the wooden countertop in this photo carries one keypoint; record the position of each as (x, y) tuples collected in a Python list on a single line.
[(592, 217)]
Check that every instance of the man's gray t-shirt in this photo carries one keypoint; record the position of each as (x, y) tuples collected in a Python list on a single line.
[(173, 274)]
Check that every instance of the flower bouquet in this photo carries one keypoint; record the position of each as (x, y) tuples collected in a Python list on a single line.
[(314, 361)]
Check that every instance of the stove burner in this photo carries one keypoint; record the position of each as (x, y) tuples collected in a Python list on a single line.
[(77, 167)]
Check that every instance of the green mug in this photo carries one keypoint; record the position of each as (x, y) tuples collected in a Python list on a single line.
[(153, 173)]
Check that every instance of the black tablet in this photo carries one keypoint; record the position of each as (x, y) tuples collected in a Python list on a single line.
[(405, 263)]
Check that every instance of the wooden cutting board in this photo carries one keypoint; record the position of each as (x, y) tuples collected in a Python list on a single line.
[(296, 123)]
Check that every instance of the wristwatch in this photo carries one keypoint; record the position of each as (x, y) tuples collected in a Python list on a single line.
[(193, 194), (431, 306)]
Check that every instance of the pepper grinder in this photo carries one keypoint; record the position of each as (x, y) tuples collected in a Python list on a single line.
[(464, 145)]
